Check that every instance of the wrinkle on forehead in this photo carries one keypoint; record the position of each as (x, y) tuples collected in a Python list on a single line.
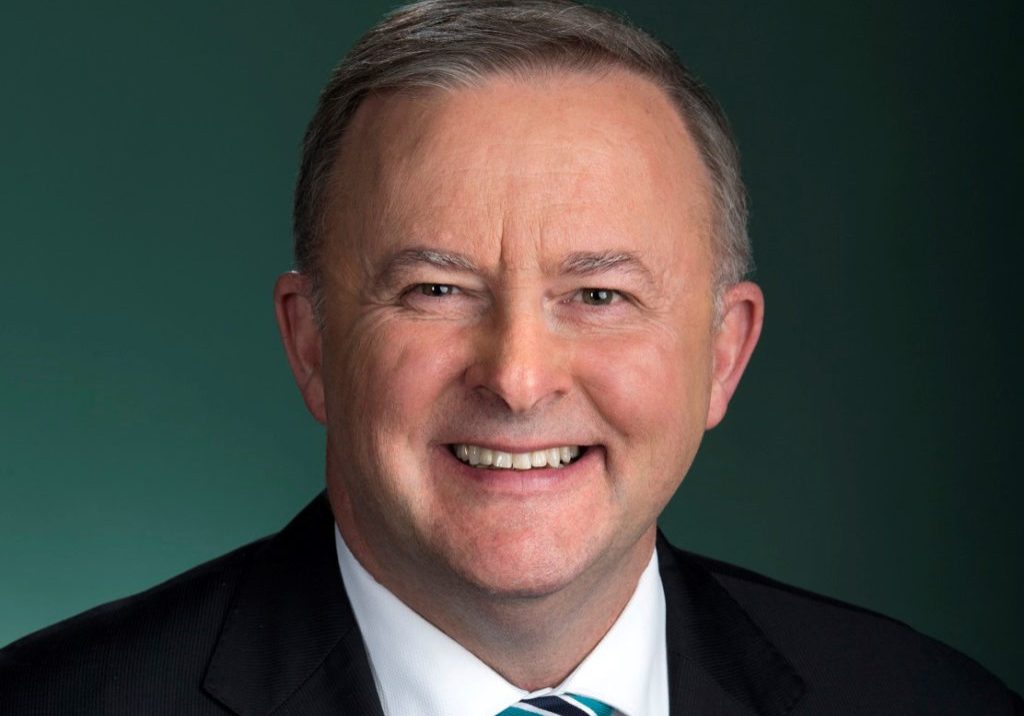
[(472, 164)]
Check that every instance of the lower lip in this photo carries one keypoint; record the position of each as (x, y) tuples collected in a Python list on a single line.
[(534, 480)]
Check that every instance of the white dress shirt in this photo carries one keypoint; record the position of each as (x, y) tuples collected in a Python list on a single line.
[(421, 671)]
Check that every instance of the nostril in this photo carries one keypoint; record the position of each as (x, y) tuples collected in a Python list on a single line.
[(519, 368)]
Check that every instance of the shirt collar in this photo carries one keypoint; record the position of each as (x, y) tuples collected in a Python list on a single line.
[(419, 669)]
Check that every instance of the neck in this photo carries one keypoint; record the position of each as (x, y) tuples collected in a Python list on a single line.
[(534, 641)]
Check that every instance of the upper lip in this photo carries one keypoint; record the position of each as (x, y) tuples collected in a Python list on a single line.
[(520, 448)]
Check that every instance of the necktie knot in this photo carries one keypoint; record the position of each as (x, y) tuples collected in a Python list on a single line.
[(559, 705)]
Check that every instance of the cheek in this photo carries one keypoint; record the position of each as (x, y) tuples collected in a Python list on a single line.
[(653, 392), (388, 376), (383, 382), (644, 381)]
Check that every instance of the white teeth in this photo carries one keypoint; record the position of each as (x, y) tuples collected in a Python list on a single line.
[(522, 460), (554, 457), (550, 457)]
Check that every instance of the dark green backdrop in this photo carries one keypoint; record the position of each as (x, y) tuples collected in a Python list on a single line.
[(149, 421)]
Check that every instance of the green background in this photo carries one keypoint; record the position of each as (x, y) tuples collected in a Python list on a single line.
[(149, 420)]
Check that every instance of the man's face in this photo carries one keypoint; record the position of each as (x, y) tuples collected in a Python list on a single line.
[(513, 272)]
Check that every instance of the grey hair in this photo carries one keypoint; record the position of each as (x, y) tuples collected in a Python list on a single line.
[(449, 44)]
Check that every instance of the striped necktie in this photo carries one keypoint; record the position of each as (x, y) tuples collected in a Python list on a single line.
[(559, 705)]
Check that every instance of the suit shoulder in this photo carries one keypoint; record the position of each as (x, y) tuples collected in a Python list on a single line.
[(169, 628), (853, 652)]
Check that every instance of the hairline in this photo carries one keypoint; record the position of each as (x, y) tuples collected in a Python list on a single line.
[(699, 112)]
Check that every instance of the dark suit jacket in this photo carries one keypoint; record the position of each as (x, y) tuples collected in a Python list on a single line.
[(267, 629)]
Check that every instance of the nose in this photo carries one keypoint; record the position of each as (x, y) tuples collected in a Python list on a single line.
[(519, 359)]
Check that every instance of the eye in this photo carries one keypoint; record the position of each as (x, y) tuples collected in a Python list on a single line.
[(598, 296), (436, 290), (437, 299)]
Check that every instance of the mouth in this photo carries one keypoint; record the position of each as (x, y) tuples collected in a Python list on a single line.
[(487, 458)]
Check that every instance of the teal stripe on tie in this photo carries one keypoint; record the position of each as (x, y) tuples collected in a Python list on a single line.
[(559, 705), (599, 708)]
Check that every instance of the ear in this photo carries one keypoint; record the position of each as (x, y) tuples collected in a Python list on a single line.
[(293, 305), (733, 343)]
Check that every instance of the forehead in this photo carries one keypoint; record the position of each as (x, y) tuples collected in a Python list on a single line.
[(602, 154)]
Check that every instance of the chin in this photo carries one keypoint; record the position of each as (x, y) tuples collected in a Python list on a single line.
[(529, 567)]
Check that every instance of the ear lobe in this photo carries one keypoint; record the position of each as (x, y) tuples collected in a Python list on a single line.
[(733, 344), (296, 321)]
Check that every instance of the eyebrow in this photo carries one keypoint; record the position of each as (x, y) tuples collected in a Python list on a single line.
[(591, 263), (578, 263), (408, 259)]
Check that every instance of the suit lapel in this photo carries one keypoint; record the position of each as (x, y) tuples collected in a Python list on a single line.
[(295, 650), (719, 661), (299, 651)]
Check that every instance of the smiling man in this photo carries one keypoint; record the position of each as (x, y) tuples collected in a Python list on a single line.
[(519, 350), (518, 305)]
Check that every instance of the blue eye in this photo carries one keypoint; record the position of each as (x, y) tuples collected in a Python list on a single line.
[(598, 296), (437, 290)]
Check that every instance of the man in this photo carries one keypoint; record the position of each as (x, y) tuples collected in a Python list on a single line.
[(519, 303)]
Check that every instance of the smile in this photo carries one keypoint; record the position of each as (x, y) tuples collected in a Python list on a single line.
[(500, 460)]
